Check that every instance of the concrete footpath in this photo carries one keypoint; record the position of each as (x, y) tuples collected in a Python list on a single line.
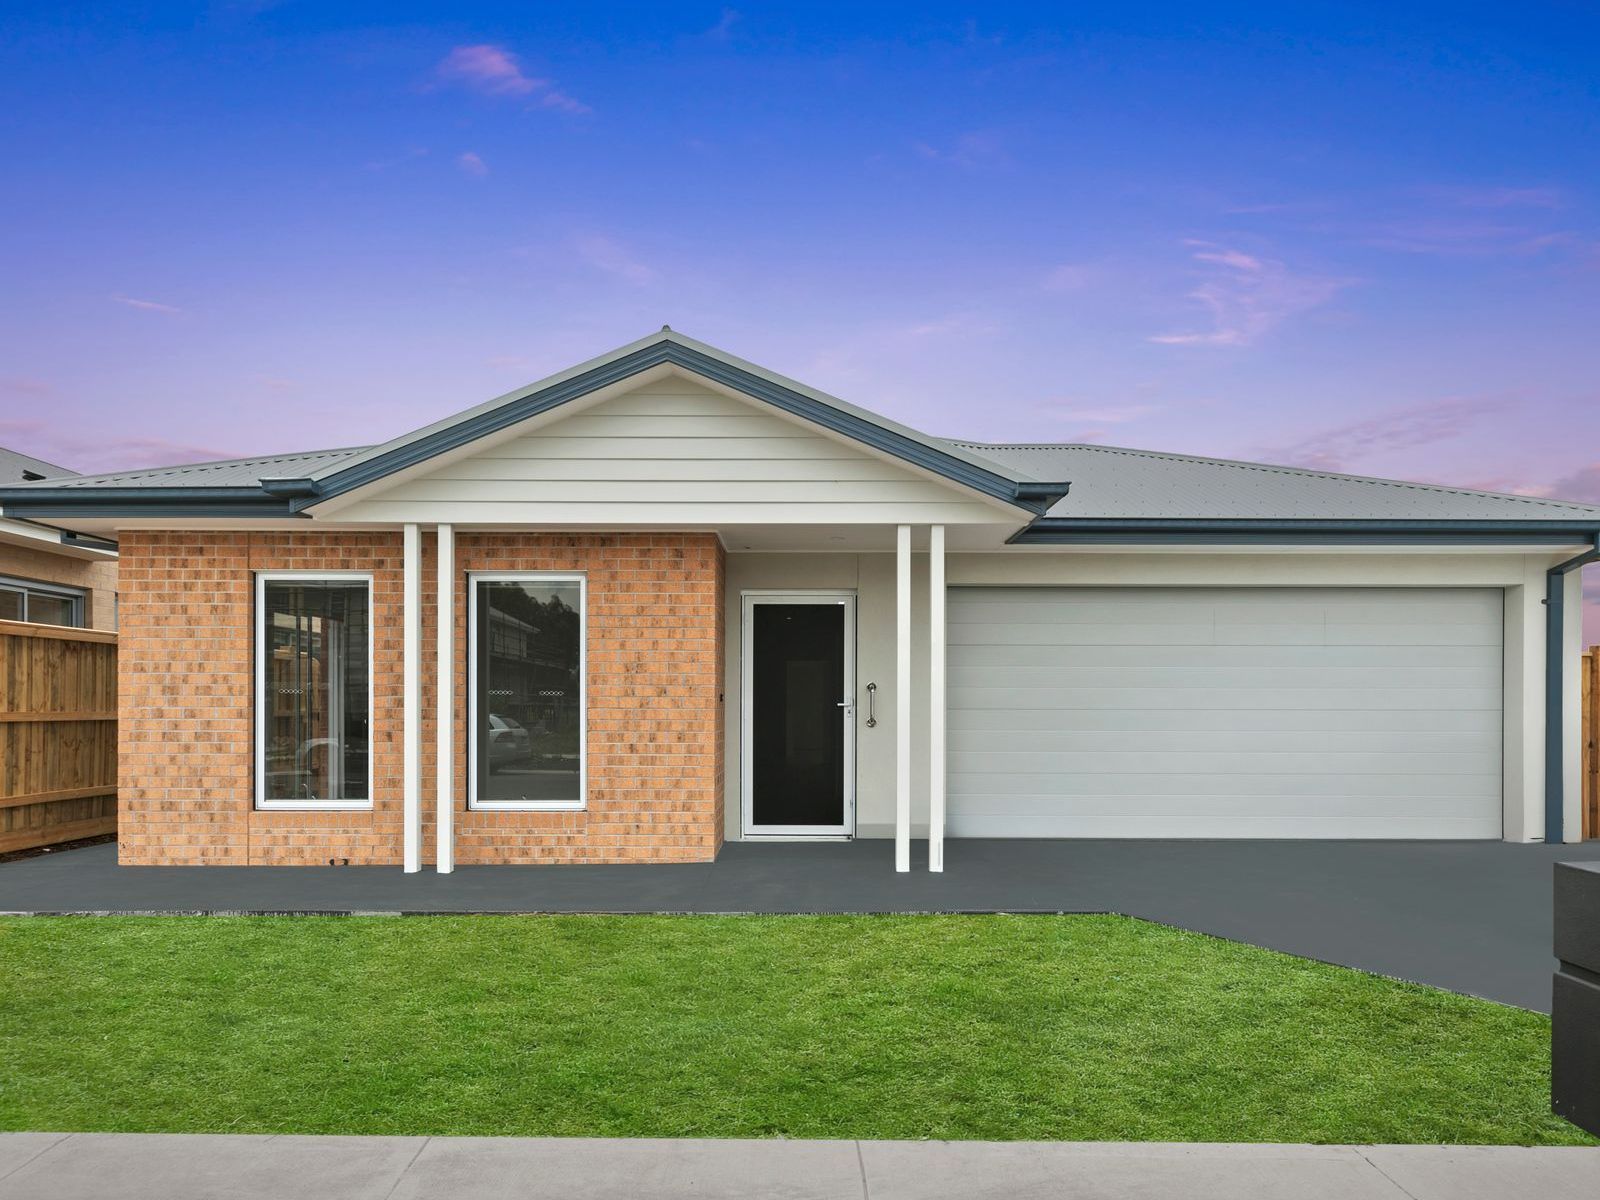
[(52, 1166)]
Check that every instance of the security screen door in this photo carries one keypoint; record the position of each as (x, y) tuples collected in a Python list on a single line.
[(799, 714)]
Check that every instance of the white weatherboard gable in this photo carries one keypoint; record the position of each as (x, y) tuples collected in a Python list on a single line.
[(669, 450)]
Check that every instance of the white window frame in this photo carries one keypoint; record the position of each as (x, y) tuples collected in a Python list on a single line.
[(257, 619), (474, 578), (61, 591)]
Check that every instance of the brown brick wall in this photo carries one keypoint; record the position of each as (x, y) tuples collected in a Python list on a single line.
[(654, 649)]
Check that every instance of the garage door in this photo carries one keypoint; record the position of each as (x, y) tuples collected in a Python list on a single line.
[(1211, 712)]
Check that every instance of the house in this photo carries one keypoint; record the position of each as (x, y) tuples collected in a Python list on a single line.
[(49, 576), (675, 598)]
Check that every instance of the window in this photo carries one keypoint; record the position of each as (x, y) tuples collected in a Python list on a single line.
[(527, 691), (40, 603), (313, 691)]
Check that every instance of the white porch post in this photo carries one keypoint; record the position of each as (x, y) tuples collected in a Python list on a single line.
[(936, 637), (411, 706), (902, 699), (445, 781)]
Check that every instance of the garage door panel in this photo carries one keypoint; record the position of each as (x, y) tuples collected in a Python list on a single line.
[(1199, 712), (1482, 721), (1212, 656), (1056, 698), (1047, 674), (1266, 806), (1156, 761), (984, 785), (1125, 825), (1004, 744)]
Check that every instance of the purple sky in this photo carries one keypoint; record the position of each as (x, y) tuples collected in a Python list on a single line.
[(1329, 236)]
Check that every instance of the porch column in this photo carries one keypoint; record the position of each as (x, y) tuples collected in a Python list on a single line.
[(411, 705), (445, 780), (902, 699), (936, 637)]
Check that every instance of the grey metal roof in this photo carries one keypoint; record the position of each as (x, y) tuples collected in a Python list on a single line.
[(1113, 482), (233, 472), (15, 468)]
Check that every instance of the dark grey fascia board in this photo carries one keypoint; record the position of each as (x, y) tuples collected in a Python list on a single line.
[(1032, 497), (1555, 634), (1063, 531)]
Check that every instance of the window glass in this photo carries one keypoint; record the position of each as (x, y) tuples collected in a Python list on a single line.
[(315, 737), (47, 609), (528, 698), (10, 605)]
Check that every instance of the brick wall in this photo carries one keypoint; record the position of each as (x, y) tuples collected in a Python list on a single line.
[(654, 648), (96, 576)]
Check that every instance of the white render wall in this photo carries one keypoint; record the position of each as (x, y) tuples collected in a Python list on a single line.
[(871, 576)]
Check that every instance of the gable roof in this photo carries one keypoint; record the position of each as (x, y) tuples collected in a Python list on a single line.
[(942, 458), (1112, 489)]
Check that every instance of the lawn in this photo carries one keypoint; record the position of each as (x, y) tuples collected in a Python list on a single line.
[(1076, 1027)]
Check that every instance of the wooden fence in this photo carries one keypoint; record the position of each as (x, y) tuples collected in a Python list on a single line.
[(58, 734), (1590, 674)]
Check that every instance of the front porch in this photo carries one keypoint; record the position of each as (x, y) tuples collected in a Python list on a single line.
[(1467, 916)]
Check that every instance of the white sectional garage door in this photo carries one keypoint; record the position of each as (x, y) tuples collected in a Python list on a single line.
[(1224, 712)]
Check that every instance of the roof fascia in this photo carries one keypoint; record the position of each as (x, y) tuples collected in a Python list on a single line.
[(1062, 531)]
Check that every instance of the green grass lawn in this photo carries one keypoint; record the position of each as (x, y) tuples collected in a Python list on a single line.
[(870, 1027)]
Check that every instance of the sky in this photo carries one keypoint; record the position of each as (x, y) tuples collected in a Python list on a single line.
[(1359, 238)]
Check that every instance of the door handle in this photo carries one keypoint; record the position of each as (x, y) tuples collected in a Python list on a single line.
[(872, 695)]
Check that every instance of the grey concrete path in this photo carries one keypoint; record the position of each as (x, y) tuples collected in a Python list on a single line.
[(188, 1167), (1469, 916)]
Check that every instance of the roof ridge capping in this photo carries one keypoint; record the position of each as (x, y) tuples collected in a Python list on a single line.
[(1281, 469)]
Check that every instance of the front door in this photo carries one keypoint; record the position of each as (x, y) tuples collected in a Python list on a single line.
[(798, 741)]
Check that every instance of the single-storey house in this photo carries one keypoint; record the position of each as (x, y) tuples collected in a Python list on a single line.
[(667, 598), (51, 576)]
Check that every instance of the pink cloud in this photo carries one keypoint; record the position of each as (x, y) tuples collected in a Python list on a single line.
[(1583, 485), (92, 454), (495, 71), (1341, 447), (471, 164), (1247, 296), (485, 68), (146, 305)]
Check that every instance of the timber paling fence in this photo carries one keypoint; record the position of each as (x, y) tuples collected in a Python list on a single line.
[(58, 734)]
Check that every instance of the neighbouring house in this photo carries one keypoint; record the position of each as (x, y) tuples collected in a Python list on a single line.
[(674, 598), (49, 575)]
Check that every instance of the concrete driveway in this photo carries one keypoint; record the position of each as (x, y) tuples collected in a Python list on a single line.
[(1469, 916)]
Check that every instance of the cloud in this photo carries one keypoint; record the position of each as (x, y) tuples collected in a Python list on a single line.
[(1452, 237), (383, 164), (1342, 446), (37, 388), (146, 305), (970, 151), (1247, 296), (610, 256), (495, 71), (91, 454), (1583, 485), (471, 164)]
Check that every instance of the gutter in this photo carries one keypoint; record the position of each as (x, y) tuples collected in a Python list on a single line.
[(1067, 531), (1555, 783)]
